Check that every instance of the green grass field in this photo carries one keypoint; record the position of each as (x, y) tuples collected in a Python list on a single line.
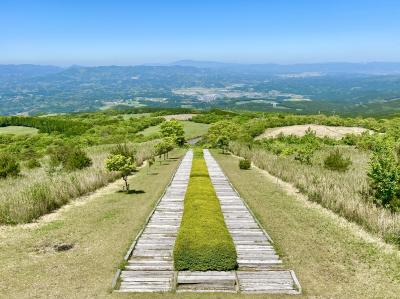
[(192, 129), (203, 242), (18, 130)]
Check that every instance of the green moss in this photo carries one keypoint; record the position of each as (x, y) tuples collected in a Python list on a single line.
[(203, 241)]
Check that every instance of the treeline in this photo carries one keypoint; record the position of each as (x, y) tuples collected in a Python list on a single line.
[(46, 124)]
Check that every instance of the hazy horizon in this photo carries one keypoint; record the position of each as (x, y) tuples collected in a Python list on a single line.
[(158, 32), (204, 61)]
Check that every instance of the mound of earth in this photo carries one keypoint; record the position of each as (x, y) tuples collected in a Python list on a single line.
[(320, 131)]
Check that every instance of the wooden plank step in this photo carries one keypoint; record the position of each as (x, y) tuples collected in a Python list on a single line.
[(149, 267), (147, 273), (268, 282), (209, 281)]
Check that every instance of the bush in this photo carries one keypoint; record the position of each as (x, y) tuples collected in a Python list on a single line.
[(304, 155), (350, 139), (33, 163), (203, 242), (384, 174), (336, 162), (124, 150), (77, 159), (9, 166), (69, 157), (244, 164)]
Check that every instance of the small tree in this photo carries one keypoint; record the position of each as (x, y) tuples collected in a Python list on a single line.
[(226, 129), (160, 149), (335, 161), (223, 143), (384, 174), (9, 166), (151, 162), (122, 164), (164, 147), (173, 129), (169, 144), (69, 157), (304, 155)]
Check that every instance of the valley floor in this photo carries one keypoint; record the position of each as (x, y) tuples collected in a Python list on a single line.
[(329, 260)]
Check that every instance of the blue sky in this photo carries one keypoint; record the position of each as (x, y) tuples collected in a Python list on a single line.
[(133, 32)]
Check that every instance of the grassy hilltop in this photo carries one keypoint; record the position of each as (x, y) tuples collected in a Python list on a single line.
[(345, 168)]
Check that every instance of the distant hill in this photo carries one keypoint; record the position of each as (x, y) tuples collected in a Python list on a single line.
[(23, 71)]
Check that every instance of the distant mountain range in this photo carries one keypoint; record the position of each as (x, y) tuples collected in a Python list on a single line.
[(303, 88), (334, 67), (32, 70)]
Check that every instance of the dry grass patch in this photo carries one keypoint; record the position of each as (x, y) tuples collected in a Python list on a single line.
[(320, 130), (179, 116), (343, 193)]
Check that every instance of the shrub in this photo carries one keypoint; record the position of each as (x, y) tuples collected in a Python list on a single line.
[(69, 157), (77, 159), (335, 161), (304, 155), (203, 242), (384, 174), (124, 150), (350, 139), (33, 163), (9, 166), (244, 164)]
